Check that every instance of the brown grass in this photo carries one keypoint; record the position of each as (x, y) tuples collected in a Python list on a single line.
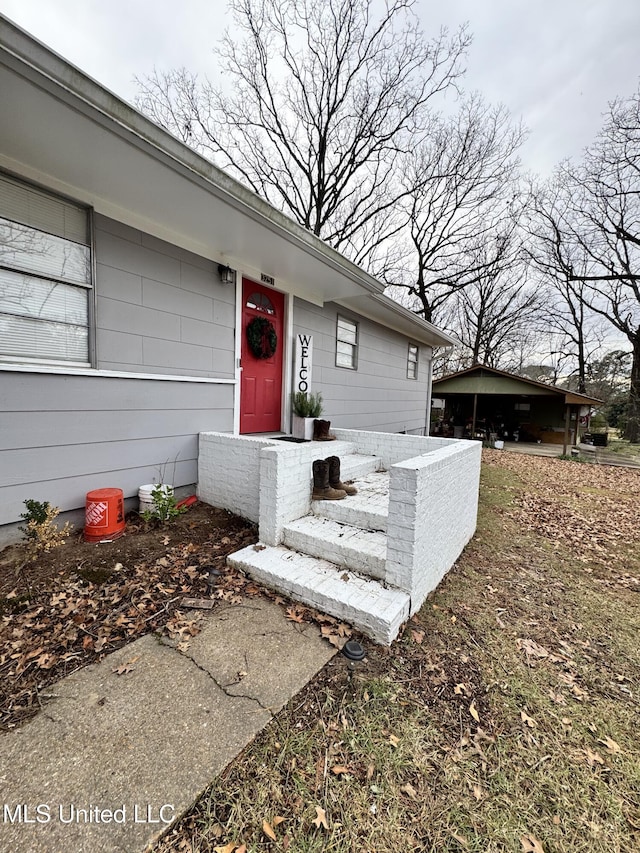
[(505, 718)]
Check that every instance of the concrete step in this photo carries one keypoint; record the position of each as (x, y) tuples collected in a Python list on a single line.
[(368, 509), (363, 551), (367, 605)]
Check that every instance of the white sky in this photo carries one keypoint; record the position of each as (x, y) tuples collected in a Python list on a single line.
[(554, 63)]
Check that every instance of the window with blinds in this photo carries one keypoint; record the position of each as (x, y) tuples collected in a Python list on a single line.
[(346, 344), (45, 277)]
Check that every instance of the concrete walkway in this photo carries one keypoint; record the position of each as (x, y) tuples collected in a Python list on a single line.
[(113, 758), (600, 455)]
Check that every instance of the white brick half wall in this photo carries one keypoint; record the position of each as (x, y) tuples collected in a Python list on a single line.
[(391, 447), (229, 472), (433, 509)]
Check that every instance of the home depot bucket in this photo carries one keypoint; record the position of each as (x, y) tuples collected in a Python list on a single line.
[(104, 515)]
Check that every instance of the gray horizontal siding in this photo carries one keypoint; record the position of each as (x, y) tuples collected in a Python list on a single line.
[(61, 436), (377, 396), (159, 308)]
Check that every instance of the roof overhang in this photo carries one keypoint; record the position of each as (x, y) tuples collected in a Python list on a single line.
[(489, 381), (381, 309), (63, 130)]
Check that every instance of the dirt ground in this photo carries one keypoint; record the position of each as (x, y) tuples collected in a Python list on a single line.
[(82, 600)]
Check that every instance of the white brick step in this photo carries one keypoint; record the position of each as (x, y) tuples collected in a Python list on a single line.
[(363, 551), (375, 610), (357, 466), (322, 449), (369, 509)]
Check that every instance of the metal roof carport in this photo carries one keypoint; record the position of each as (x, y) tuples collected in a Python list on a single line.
[(513, 404)]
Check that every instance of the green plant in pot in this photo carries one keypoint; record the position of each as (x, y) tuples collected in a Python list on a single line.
[(306, 408)]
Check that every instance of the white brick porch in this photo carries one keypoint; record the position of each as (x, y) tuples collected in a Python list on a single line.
[(370, 559)]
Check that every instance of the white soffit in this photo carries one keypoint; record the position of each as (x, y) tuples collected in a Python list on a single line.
[(390, 314)]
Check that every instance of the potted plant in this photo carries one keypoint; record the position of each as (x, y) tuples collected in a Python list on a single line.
[(306, 408)]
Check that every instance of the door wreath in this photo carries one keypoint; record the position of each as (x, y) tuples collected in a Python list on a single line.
[(262, 337)]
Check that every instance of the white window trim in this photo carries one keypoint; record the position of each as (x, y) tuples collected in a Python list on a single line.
[(50, 364), (411, 362), (110, 374)]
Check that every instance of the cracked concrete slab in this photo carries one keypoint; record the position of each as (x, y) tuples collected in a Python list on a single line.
[(253, 652), (113, 758)]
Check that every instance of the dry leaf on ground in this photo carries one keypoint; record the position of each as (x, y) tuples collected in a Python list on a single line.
[(530, 844), (321, 818), (268, 830)]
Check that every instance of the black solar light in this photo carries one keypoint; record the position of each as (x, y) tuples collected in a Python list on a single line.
[(354, 653), (213, 574)]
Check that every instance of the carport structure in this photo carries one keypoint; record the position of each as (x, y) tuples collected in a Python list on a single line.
[(481, 402)]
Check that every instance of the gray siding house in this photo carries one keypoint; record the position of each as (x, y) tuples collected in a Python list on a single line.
[(130, 268)]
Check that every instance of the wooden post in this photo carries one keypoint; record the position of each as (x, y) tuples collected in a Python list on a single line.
[(567, 421), (473, 420)]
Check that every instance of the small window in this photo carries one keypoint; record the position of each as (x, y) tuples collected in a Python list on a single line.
[(261, 302), (346, 344), (412, 362)]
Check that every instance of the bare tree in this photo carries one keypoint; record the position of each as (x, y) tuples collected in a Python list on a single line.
[(604, 226), (493, 316), (461, 202), (321, 101), (568, 324)]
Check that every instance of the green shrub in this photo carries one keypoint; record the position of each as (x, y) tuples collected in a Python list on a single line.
[(306, 405), (165, 506), (40, 532)]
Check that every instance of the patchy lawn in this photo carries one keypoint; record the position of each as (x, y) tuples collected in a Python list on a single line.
[(504, 719)]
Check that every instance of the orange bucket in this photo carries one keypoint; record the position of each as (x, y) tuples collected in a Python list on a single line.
[(104, 515)]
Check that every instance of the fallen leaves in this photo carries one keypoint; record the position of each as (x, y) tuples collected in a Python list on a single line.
[(129, 666), (320, 819), (268, 830), (527, 720), (530, 844), (73, 619), (612, 747), (474, 711)]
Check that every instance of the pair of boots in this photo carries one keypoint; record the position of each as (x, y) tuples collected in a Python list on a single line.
[(327, 485)]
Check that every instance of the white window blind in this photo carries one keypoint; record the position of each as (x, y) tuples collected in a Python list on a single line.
[(45, 277), (412, 362)]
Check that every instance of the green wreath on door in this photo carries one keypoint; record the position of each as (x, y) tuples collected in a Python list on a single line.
[(262, 337)]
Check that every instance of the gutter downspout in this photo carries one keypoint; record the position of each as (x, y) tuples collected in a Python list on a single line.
[(427, 422)]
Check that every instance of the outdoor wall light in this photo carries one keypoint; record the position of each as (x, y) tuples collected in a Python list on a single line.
[(354, 653), (227, 275)]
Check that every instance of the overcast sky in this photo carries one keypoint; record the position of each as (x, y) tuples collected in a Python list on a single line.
[(554, 63)]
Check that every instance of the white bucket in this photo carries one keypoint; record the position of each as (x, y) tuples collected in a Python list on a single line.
[(498, 444), (145, 496)]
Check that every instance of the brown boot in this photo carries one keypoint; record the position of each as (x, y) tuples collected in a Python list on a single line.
[(321, 431), (334, 476), (322, 491)]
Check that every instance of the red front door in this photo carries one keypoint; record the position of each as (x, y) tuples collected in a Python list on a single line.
[(261, 378)]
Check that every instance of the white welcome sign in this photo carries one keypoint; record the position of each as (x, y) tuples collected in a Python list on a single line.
[(302, 373)]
